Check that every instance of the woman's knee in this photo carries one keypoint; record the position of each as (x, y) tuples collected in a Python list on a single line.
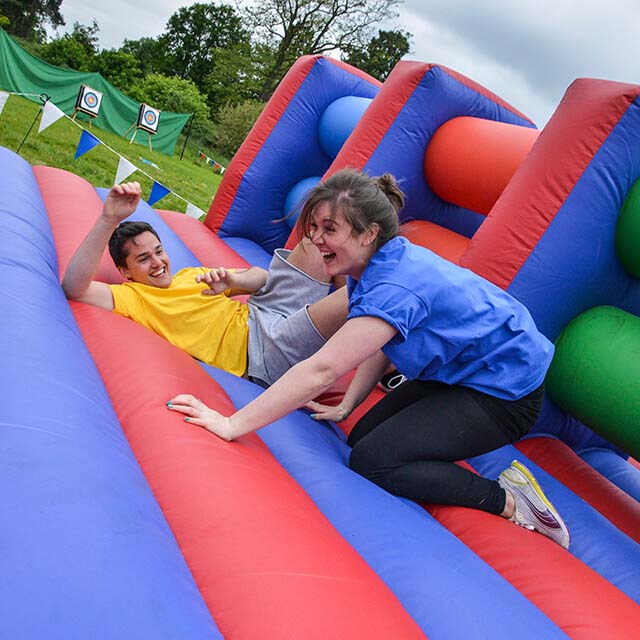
[(363, 461)]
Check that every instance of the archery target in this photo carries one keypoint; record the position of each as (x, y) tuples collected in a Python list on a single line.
[(148, 118), (88, 100)]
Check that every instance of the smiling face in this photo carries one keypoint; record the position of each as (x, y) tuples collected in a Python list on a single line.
[(343, 253), (146, 261)]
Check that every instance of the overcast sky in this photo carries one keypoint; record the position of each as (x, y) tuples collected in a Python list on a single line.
[(526, 51)]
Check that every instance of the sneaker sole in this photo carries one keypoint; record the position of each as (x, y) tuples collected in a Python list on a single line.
[(540, 493)]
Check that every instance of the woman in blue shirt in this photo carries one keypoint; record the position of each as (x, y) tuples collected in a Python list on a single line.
[(473, 356)]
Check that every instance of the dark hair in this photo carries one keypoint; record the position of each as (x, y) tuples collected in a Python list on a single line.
[(362, 200), (127, 230)]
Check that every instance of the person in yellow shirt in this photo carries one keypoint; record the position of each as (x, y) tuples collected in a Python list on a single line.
[(289, 315)]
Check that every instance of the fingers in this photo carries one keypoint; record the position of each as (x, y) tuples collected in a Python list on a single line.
[(198, 413), (182, 398), (318, 407), (199, 422), (212, 276), (122, 201), (127, 189), (322, 412), (188, 410), (193, 414), (187, 404)]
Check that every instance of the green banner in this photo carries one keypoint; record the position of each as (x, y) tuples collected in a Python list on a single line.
[(21, 72)]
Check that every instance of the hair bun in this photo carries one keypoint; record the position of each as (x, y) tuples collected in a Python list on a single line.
[(388, 185)]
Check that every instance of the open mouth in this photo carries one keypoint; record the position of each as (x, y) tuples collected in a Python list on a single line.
[(328, 257), (159, 274)]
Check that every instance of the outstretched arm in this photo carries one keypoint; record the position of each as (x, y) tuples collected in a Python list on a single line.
[(78, 283), (354, 343)]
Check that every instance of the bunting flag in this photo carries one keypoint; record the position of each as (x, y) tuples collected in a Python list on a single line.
[(217, 167), (193, 211), (4, 96), (50, 113), (87, 142), (158, 191), (125, 169)]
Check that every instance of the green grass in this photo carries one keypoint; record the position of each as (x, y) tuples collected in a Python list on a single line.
[(56, 147)]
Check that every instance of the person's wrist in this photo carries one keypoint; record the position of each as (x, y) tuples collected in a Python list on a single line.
[(228, 433), (343, 411), (236, 278), (109, 220)]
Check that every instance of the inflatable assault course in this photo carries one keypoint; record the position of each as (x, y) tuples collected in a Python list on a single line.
[(121, 521)]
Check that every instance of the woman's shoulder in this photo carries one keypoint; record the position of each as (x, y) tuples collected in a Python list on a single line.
[(399, 260)]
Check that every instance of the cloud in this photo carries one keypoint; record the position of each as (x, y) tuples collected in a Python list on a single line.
[(435, 43), (530, 50), (120, 19)]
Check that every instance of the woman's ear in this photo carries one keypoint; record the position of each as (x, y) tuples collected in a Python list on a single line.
[(372, 232)]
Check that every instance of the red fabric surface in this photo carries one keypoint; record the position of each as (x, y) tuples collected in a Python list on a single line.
[(210, 250), (588, 112), (76, 216), (557, 459), (251, 536), (469, 161), (582, 603), (447, 244)]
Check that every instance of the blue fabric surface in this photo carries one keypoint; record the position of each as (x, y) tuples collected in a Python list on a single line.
[(432, 573), (86, 550)]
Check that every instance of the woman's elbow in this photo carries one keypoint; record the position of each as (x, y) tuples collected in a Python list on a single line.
[(319, 373)]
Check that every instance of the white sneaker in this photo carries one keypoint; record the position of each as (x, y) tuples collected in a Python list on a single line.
[(391, 381), (533, 509)]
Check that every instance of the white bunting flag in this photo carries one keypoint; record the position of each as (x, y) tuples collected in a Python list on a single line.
[(4, 96), (50, 113), (193, 211), (125, 169)]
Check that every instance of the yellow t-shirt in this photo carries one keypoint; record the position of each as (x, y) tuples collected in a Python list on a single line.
[(213, 329)]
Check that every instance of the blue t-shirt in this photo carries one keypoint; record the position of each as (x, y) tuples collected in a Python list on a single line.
[(453, 325)]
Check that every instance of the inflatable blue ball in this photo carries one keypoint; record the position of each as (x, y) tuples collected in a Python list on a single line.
[(295, 199), (338, 121)]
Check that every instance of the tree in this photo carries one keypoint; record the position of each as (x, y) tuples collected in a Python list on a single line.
[(151, 54), (121, 69), (87, 36), (234, 123), (292, 28), (175, 94), (380, 54), (194, 34), (28, 17), (234, 76), (76, 50)]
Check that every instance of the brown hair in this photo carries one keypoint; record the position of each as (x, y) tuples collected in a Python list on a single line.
[(362, 200), (127, 230)]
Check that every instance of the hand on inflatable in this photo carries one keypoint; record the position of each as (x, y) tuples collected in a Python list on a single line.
[(218, 280), (326, 412), (121, 201), (198, 413)]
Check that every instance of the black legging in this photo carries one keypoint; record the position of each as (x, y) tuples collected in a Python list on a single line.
[(409, 441)]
